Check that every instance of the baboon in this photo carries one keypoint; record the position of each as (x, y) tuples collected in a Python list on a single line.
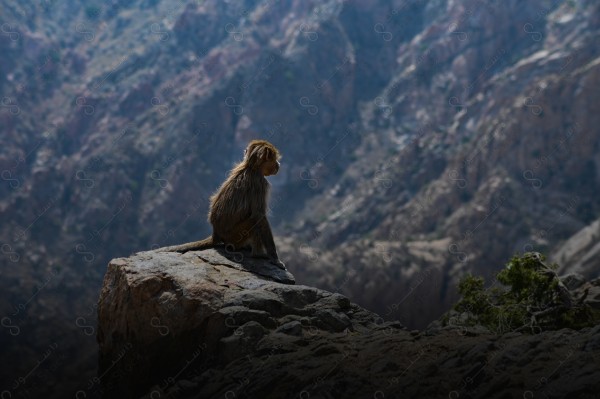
[(238, 209)]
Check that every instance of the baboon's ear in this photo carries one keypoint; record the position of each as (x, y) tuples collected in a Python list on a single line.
[(263, 153)]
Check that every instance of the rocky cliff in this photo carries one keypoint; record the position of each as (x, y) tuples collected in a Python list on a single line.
[(214, 324)]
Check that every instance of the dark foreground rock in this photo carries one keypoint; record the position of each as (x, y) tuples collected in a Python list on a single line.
[(202, 325)]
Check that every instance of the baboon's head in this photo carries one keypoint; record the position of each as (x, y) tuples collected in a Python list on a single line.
[(262, 156)]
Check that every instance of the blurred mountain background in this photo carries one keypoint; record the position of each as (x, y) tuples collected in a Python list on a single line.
[(421, 140)]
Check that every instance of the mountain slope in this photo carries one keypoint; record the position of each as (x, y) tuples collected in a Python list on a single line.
[(483, 144)]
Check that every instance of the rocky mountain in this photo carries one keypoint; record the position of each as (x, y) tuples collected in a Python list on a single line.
[(421, 139), (206, 325), (483, 144)]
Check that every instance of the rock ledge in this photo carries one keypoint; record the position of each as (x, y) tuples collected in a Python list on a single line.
[(207, 325)]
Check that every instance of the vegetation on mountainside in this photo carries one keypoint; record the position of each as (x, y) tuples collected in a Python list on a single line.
[(527, 296)]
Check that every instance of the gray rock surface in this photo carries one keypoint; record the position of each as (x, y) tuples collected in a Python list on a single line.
[(581, 253), (200, 325)]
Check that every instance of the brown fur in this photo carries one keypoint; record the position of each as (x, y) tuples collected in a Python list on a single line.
[(238, 209)]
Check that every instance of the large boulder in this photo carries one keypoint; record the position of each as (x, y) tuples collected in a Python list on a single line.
[(158, 310)]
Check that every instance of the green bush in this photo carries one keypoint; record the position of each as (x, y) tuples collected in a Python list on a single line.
[(529, 297)]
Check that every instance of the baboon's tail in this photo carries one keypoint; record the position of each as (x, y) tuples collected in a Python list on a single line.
[(208, 242)]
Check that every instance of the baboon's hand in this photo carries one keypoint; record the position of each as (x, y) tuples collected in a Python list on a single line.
[(278, 263)]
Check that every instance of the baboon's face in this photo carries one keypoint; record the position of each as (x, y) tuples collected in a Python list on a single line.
[(270, 167)]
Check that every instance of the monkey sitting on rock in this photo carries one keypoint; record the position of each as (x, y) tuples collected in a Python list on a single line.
[(238, 210)]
